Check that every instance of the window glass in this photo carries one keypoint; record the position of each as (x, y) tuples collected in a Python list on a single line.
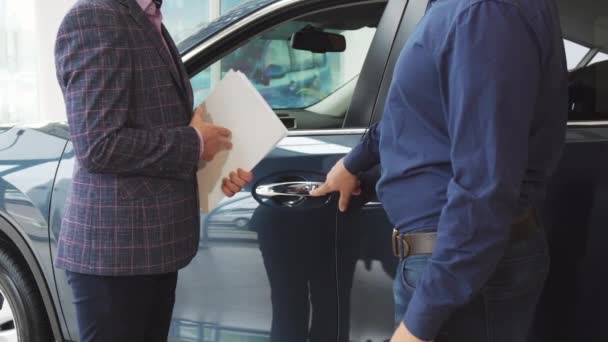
[(600, 57), (303, 60), (314, 89), (574, 53), (221, 18), (276, 53), (228, 5), (185, 17), (319, 59), (18, 62)]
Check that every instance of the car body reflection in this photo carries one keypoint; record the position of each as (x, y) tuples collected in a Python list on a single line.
[(188, 331), (262, 273), (230, 220)]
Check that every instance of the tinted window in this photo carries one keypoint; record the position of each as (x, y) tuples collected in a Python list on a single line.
[(309, 90), (303, 60), (276, 53)]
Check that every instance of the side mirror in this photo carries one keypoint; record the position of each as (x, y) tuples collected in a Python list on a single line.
[(274, 71), (318, 41)]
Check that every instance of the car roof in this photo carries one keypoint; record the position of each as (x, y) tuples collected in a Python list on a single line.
[(236, 14)]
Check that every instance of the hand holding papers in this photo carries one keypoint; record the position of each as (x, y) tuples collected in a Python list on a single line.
[(256, 129), (213, 138)]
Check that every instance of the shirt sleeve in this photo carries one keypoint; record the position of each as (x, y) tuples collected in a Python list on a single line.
[(366, 154), (489, 71), (201, 143)]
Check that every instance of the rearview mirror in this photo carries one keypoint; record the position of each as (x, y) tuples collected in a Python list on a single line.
[(318, 41)]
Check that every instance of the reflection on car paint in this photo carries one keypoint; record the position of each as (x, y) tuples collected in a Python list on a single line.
[(230, 220), (189, 331)]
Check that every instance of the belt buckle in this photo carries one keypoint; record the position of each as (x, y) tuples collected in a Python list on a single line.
[(401, 248), (395, 241)]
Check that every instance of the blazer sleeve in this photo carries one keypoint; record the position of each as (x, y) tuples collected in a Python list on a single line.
[(95, 72)]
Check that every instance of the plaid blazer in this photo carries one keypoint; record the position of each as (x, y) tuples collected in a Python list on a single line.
[(133, 206)]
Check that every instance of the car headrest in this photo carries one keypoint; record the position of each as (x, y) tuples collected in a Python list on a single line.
[(588, 93)]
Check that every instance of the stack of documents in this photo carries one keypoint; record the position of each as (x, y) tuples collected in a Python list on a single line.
[(256, 130)]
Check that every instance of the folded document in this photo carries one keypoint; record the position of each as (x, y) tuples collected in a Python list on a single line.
[(256, 130)]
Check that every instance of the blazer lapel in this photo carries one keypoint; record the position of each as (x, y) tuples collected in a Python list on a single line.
[(182, 69), (141, 18)]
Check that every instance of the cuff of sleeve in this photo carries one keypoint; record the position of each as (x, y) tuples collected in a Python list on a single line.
[(201, 143), (192, 147), (358, 160), (421, 321)]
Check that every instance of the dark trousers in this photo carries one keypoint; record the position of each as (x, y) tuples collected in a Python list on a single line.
[(128, 308), (504, 308)]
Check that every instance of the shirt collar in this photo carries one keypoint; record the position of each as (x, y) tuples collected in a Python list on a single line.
[(147, 6)]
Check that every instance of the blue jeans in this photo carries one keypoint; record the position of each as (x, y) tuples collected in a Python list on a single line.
[(503, 309)]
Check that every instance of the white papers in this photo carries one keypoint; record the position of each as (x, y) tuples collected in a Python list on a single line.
[(256, 130)]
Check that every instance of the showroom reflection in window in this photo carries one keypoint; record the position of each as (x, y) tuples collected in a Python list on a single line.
[(185, 17), (18, 61)]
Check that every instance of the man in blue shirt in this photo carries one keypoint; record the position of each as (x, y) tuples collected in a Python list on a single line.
[(473, 126)]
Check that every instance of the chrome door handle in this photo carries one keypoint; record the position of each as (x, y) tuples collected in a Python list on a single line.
[(297, 189)]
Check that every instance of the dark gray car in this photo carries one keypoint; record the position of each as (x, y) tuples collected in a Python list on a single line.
[(291, 268)]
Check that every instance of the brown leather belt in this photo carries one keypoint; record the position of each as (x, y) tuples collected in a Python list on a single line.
[(409, 244)]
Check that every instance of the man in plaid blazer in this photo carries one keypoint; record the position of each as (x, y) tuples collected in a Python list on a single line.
[(132, 216)]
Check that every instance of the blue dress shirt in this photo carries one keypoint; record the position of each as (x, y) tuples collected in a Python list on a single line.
[(474, 124)]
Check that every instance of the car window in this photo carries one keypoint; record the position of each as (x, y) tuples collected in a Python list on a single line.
[(304, 60), (588, 85), (276, 53), (574, 53), (314, 88), (600, 57)]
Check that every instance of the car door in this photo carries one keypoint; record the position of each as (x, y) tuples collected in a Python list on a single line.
[(273, 276), (266, 265), (366, 265)]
